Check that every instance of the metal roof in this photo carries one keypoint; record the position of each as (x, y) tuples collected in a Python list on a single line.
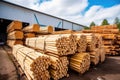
[(42, 13)]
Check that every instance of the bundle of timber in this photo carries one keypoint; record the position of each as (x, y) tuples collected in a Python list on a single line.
[(32, 28), (34, 64), (59, 67), (91, 41), (47, 29), (63, 32), (114, 31), (110, 37), (14, 25), (29, 35), (81, 42), (95, 56), (15, 35), (80, 62), (11, 43), (102, 54), (114, 26), (56, 44)]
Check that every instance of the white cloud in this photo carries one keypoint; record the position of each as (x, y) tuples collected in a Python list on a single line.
[(63, 7), (72, 10)]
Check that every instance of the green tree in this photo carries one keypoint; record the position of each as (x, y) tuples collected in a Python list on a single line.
[(105, 22), (92, 24), (117, 21), (86, 27)]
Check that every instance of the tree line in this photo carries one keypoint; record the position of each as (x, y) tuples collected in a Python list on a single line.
[(105, 22)]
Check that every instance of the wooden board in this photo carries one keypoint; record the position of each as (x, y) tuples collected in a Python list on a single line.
[(32, 28), (14, 25), (113, 31), (114, 26), (29, 35), (11, 43), (15, 35), (47, 29), (63, 32)]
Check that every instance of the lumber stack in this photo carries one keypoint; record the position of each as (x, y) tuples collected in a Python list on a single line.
[(13, 26), (91, 42), (57, 44), (109, 36), (34, 64), (57, 47), (80, 62), (45, 30), (31, 28), (108, 33), (94, 57), (29, 31), (15, 34), (81, 42), (63, 32), (59, 67)]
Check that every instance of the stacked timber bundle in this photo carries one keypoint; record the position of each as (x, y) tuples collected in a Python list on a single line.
[(63, 32), (29, 31), (81, 42), (91, 42), (57, 47), (80, 62), (34, 64), (109, 36), (57, 44), (59, 67), (95, 48), (45, 30), (32, 28), (94, 57), (109, 41), (15, 35)]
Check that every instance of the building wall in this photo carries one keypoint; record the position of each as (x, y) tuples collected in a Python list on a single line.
[(14, 12)]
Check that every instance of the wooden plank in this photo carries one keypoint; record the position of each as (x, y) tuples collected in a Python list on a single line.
[(15, 35), (14, 25), (32, 28), (11, 43)]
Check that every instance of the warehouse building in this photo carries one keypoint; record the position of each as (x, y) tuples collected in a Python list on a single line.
[(10, 12)]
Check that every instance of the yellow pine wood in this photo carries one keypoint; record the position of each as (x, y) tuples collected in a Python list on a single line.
[(14, 25)]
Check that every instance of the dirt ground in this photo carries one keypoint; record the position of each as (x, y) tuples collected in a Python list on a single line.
[(7, 68), (109, 70)]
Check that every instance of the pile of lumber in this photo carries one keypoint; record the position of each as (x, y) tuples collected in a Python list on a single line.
[(59, 67), (29, 31), (34, 64), (15, 34), (45, 30), (81, 43), (80, 62), (57, 47), (109, 34), (56, 44), (106, 29), (63, 32)]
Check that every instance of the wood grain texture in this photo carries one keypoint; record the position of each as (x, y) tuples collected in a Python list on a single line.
[(34, 64)]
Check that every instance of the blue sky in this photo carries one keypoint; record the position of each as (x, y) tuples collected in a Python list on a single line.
[(79, 11), (104, 3)]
